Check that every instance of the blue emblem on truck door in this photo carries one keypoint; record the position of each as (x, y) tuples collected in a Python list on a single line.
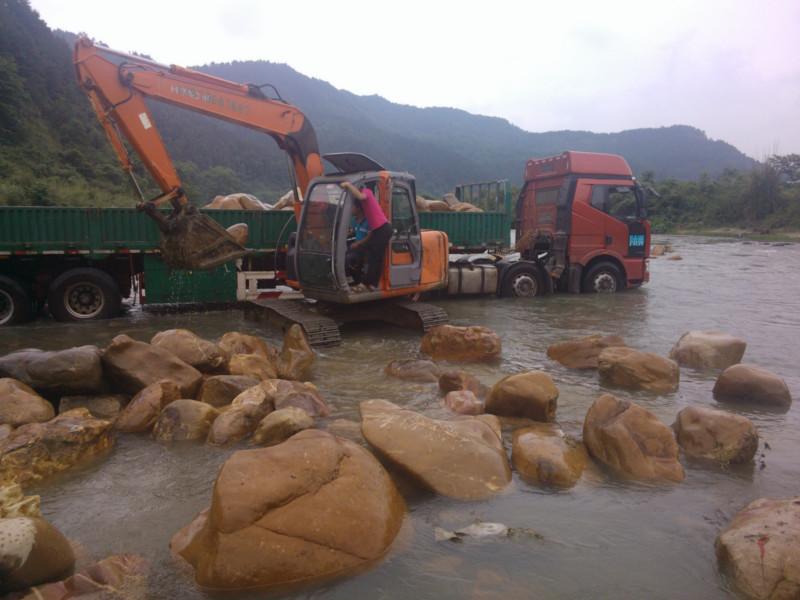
[(636, 240)]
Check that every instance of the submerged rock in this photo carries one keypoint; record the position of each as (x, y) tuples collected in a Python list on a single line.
[(413, 369), (142, 411), (280, 425), (296, 357), (463, 402), (203, 355), (544, 456), (71, 371), (752, 384), (452, 381), (716, 435), (461, 459), (220, 390), (476, 530), (760, 549), (708, 350), (636, 370), (38, 450), (132, 366), (531, 395), (582, 353), (183, 420), (467, 344), (631, 441), (252, 365), (19, 404), (106, 406), (314, 506), (32, 551)]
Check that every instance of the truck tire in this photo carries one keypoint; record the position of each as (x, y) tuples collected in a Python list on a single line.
[(604, 277), (522, 281), (83, 295), (15, 304)]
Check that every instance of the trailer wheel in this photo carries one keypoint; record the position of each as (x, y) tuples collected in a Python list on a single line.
[(83, 295), (523, 281), (15, 304), (604, 277)]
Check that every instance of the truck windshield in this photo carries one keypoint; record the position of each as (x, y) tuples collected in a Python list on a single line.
[(317, 232), (621, 202)]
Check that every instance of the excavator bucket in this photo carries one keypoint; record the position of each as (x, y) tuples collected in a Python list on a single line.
[(193, 241)]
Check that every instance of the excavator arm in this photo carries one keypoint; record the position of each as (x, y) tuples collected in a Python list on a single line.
[(117, 85)]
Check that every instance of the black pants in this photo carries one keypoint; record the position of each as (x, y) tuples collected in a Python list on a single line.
[(374, 250)]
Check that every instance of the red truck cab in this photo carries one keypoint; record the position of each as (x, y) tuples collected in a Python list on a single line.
[(581, 216)]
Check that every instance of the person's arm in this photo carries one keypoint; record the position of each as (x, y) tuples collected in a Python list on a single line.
[(354, 191), (360, 243)]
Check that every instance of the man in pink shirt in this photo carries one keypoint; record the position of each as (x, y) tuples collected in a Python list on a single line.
[(373, 247)]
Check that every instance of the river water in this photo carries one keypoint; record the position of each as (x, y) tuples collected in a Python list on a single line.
[(602, 539)]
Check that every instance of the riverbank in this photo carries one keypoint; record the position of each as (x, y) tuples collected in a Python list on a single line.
[(790, 235)]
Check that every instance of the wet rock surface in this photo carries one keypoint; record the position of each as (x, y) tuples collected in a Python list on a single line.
[(751, 384), (38, 450), (635, 370), (760, 549), (413, 369), (71, 371), (220, 390), (252, 365), (531, 395), (201, 354), (132, 366), (286, 514), (461, 459), (32, 551), (708, 350), (296, 357), (106, 406), (14, 503), (303, 395), (451, 381), (236, 423), (183, 420), (631, 441), (463, 402), (465, 344), (582, 353), (20, 404), (141, 412), (280, 425), (717, 435), (544, 456), (235, 342)]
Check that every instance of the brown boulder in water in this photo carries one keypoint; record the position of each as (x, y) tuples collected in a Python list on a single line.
[(304, 395), (314, 506), (717, 435), (635, 370), (461, 459), (413, 369), (132, 366), (280, 425), (631, 441), (235, 342), (752, 384), (760, 549), (296, 355), (531, 395), (32, 551), (468, 344), (184, 420), (544, 456), (451, 381), (708, 350), (201, 354), (38, 450), (142, 411), (582, 353), (106, 406), (220, 390), (71, 371), (252, 365), (463, 402), (19, 404), (236, 423), (13, 503)]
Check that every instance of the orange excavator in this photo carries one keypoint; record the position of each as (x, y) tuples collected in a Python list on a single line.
[(118, 85)]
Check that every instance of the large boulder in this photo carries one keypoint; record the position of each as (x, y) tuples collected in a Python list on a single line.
[(296, 357), (303, 395), (19, 404), (220, 390), (635, 370), (13, 503), (631, 441), (37, 450), (531, 395), (72, 371), (104, 406), (715, 434), (235, 342), (183, 420), (32, 551), (467, 344), (752, 384), (463, 402), (461, 459), (280, 425), (253, 365), (314, 506), (452, 381), (544, 456), (413, 369), (236, 423), (760, 549), (582, 353), (708, 350), (132, 366), (142, 411), (203, 355)]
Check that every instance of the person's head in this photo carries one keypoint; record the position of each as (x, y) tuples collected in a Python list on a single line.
[(358, 210)]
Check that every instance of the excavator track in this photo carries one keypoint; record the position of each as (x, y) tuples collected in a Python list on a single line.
[(320, 330), (429, 315)]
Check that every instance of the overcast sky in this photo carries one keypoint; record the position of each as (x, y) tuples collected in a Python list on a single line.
[(731, 68)]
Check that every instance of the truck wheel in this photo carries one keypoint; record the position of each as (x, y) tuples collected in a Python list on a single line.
[(523, 281), (604, 277), (15, 304), (83, 295)]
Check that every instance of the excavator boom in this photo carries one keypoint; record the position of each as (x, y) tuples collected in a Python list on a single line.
[(118, 85)]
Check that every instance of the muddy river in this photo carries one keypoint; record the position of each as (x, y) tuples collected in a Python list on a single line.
[(601, 539)]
